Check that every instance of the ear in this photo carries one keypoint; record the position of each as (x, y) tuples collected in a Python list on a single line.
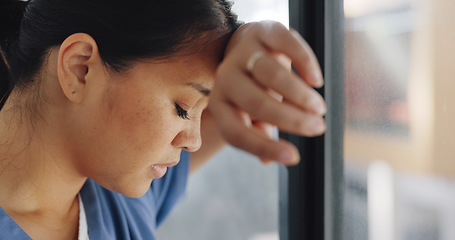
[(78, 56)]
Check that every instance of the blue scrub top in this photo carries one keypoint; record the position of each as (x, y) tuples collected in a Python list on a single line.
[(111, 215)]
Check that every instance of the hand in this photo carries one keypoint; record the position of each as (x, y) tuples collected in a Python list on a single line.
[(247, 103)]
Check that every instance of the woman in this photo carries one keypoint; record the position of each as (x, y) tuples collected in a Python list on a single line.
[(99, 97)]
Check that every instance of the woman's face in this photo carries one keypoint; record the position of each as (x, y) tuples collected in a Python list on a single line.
[(142, 120)]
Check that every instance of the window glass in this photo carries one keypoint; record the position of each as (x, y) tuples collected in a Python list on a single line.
[(400, 115), (233, 196)]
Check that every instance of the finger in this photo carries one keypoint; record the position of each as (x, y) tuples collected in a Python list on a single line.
[(263, 127), (284, 61), (271, 74), (243, 137), (278, 97), (278, 38), (262, 106), (266, 129), (310, 70)]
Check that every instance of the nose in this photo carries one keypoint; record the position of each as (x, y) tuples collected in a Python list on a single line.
[(189, 139)]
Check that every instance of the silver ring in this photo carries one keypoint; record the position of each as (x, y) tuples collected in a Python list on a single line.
[(253, 59)]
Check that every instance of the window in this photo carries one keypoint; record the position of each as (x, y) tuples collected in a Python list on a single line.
[(388, 169), (399, 144)]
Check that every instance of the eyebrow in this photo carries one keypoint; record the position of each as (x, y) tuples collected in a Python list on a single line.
[(200, 88)]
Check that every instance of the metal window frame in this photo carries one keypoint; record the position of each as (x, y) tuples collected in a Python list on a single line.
[(311, 194)]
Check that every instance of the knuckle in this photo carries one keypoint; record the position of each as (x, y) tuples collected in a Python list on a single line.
[(260, 27), (278, 76), (279, 28), (269, 28), (278, 32), (273, 25), (257, 106)]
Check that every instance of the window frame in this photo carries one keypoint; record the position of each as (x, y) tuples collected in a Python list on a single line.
[(311, 194)]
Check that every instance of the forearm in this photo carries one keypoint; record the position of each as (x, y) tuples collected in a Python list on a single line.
[(212, 142)]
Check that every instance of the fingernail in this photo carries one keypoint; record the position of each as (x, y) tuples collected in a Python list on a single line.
[(285, 156), (319, 107), (318, 127), (317, 104), (317, 79)]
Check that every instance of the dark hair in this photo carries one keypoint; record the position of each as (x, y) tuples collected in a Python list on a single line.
[(125, 31)]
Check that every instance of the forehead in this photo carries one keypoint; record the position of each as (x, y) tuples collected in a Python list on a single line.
[(199, 64), (196, 65), (185, 70)]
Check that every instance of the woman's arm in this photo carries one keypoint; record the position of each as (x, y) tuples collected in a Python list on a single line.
[(247, 101)]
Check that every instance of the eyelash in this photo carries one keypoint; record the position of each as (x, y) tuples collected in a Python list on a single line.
[(181, 112)]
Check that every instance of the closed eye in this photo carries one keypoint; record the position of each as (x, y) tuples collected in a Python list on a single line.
[(181, 112)]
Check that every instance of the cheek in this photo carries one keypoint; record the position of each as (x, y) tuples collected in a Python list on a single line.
[(125, 144), (126, 134), (148, 130), (144, 127)]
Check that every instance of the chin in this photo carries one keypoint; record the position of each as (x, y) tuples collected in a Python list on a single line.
[(133, 190), (135, 194)]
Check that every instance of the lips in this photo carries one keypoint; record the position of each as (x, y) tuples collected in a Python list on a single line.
[(158, 170), (161, 169), (171, 164)]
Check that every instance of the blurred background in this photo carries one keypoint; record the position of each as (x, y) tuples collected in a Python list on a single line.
[(400, 115)]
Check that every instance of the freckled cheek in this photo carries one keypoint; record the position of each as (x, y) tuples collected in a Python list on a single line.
[(151, 131)]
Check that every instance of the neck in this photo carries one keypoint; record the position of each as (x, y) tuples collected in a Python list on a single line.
[(37, 178)]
